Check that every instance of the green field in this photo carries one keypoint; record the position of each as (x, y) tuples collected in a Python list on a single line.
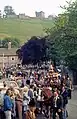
[(23, 29)]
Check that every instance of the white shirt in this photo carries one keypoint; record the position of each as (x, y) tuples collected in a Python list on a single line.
[(27, 99)]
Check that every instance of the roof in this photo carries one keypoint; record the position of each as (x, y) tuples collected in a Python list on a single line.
[(8, 52), (41, 11)]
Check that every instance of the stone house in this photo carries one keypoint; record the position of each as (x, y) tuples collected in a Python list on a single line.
[(8, 56), (51, 17), (40, 14), (12, 16), (23, 16)]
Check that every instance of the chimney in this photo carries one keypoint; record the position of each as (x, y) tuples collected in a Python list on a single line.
[(9, 45)]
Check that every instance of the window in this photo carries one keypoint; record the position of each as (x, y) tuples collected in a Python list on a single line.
[(12, 58)]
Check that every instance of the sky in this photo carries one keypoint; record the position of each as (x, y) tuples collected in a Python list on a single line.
[(30, 6)]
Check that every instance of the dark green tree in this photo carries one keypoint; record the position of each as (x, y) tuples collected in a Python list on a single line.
[(15, 43), (64, 35), (8, 10)]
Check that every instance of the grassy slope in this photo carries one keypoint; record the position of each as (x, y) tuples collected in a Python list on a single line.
[(23, 29)]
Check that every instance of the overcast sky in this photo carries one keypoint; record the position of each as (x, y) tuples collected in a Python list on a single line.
[(30, 6)]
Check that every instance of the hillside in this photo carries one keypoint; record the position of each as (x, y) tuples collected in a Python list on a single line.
[(23, 29)]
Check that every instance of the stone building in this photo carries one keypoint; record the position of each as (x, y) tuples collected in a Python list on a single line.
[(51, 17), (12, 16), (40, 14), (8, 56), (23, 16)]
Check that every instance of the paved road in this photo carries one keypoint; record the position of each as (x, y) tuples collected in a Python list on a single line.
[(72, 107)]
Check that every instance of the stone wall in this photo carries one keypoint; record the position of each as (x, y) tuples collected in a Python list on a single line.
[(8, 60)]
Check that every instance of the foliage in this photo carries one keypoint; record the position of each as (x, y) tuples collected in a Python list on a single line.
[(9, 10), (36, 50), (64, 35), (14, 42)]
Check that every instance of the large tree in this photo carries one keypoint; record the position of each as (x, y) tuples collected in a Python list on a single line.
[(9, 10), (64, 35), (36, 50)]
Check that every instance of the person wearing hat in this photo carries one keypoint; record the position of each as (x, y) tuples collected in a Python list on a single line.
[(30, 114)]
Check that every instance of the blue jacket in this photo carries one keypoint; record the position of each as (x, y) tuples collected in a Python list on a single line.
[(7, 103)]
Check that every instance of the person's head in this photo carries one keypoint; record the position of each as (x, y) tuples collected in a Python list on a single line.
[(0, 90), (28, 82), (8, 92), (20, 91), (55, 78), (35, 89), (25, 89), (55, 89), (31, 86), (4, 83), (69, 79), (11, 88), (55, 94), (58, 92), (32, 105), (63, 89), (64, 77), (64, 84), (37, 76)]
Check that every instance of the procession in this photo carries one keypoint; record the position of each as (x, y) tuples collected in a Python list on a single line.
[(38, 59), (26, 95)]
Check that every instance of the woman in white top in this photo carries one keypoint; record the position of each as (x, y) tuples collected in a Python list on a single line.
[(26, 99)]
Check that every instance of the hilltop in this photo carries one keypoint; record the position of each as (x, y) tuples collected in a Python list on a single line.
[(23, 29)]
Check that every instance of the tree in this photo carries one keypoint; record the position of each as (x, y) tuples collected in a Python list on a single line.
[(33, 51), (64, 35), (36, 50), (14, 42), (8, 10)]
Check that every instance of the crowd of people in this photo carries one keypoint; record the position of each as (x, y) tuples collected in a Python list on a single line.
[(44, 92)]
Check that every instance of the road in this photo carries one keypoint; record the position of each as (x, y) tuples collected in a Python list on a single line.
[(72, 107)]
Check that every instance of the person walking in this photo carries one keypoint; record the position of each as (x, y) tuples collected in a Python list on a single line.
[(30, 114), (30, 92), (64, 94), (57, 106), (19, 103), (7, 104), (26, 100)]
